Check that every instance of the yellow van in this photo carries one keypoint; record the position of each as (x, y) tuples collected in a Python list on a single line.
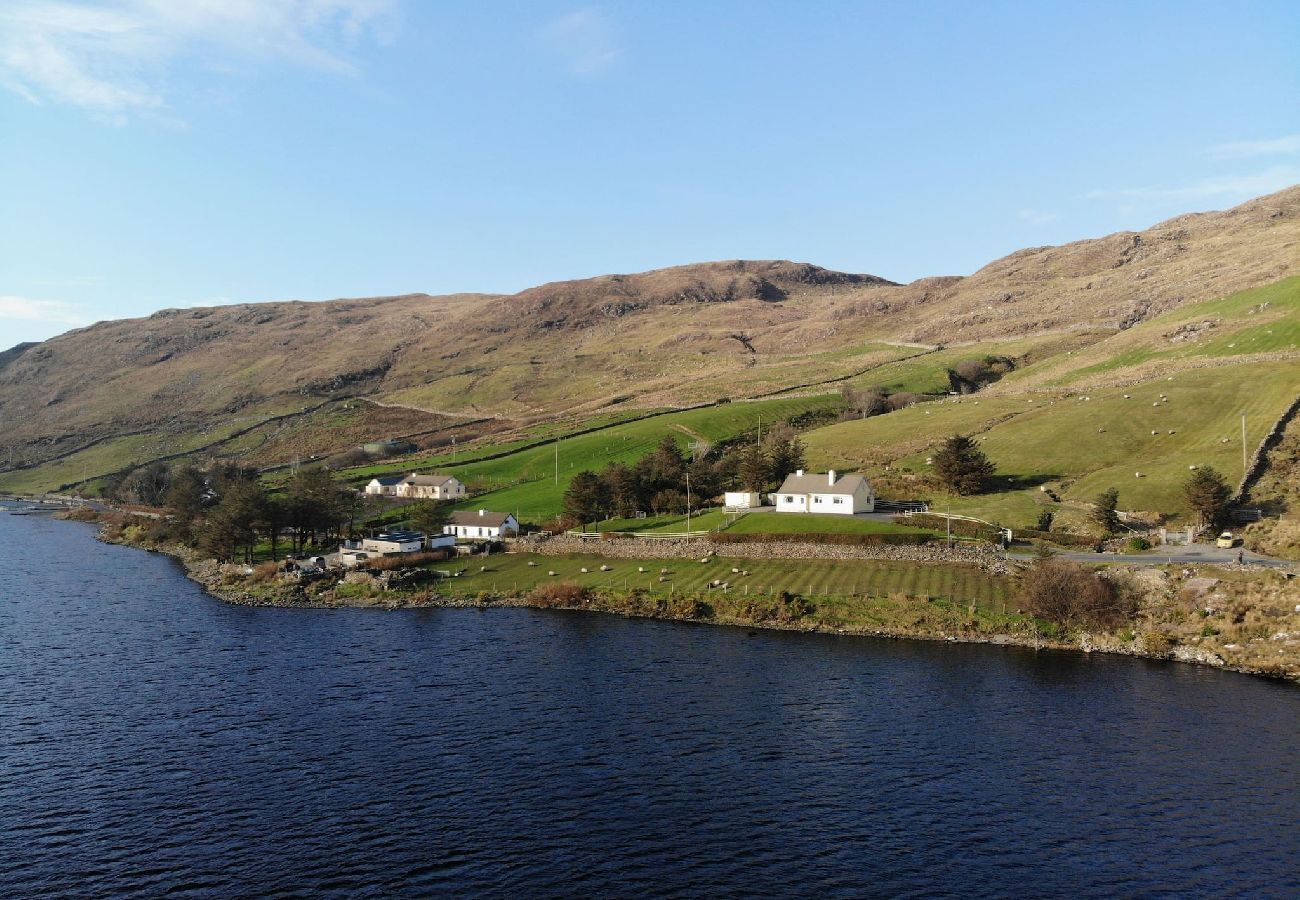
[(1226, 540)]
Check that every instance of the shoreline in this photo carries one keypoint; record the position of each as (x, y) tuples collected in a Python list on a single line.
[(209, 575)]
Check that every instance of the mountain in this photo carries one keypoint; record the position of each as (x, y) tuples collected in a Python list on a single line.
[(183, 379)]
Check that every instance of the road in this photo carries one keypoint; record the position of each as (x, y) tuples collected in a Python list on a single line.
[(1202, 554)]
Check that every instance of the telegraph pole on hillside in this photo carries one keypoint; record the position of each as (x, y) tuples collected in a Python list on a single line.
[(557, 460)]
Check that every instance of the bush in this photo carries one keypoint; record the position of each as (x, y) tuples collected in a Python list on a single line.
[(960, 527), (404, 560), (560, 594), (1137, 544), (1071, 594)]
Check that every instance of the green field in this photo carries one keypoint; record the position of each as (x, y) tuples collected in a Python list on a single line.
[(1077, 446), (531, 489), (815, 579)]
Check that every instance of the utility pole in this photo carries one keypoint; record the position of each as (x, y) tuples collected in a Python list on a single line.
[(557, 460), (948, 519), (688, 502), (453, 449)]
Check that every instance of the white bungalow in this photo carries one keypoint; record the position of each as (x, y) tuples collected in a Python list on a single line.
[(431, 487), (481, 524), (742, 500), (384, 487), (825, 493)]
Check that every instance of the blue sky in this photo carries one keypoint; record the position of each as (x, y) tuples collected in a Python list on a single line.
[(158, 153)]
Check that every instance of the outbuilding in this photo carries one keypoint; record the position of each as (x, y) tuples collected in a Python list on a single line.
[(742, 500)]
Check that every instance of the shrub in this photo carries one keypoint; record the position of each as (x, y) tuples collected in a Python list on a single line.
[(1045, 519), (403, 561), (1071, 594), (1138, 543), (560, 594)]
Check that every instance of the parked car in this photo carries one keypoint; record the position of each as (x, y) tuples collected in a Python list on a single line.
[(1226, 540)]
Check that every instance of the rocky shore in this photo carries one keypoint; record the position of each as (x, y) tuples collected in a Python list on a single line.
[(1279, 658)]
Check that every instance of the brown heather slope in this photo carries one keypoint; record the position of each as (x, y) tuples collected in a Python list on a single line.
[(678, 335)]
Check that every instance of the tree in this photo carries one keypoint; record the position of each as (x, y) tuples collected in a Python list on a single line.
[(623, 488), (961, 465), (705, 483), (1104, 510), (864, 403), (585, 499), (185, 494), (1045, 519), (1071, 594), (662, 469), (668, 501), (429, 516), (785, 452), (316, 505), (1207, 493), (754, 471), (232, 524)]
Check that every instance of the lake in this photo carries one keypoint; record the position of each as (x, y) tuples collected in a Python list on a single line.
[(154, 740)]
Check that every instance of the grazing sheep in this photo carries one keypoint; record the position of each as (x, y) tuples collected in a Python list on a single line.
[(1101, 430), (735, 571), (532, 562), (1137, 475), (552, 572), (640, 568), (1154, 431), (663, 571), (604, 568), (1127, 397), (583, 570)]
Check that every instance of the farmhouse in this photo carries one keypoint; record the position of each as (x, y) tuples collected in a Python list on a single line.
[(825, 493), (429, 487), (384, 487), (481, 524)]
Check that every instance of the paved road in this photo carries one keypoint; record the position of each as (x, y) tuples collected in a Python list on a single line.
[(1193, 554)]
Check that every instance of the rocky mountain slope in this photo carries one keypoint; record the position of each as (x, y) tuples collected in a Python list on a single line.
[(676, 335)]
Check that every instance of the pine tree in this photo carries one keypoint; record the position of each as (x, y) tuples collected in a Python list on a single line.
[(1207, 493), (961, 465), (754, 471), (586, 499), (429, 516), (1104, 510)]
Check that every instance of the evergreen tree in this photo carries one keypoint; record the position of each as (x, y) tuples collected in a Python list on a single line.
[(185, 494), (785, 453), (623, 488), (586, 499), (961, 465), (1207, 493), (429, 516), (755, 471), (232, 524), (1104, 510)]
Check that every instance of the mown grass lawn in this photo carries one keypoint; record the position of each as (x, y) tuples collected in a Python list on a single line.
[(812, 578)]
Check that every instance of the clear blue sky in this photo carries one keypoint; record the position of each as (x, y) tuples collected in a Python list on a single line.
[(159, 153)]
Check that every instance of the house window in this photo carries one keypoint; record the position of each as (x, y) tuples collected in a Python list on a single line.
[(837, 500)]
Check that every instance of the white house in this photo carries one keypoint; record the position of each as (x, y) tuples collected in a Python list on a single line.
[(481, 524), (384, 487), (431, 487), (825, 493), (425, 487), (742, 500)]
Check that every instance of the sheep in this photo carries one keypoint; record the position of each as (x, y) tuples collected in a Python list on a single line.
[(1127, 397), (604, 568), (1138, 475), (532, 562), (1101, 430), (1153, 431), (583, 570), (552, 573), (1171, 431), (735, 571), (640, 568)]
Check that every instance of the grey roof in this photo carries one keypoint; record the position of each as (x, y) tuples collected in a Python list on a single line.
[(819, 484), (472, 517), (390, 481), (401, 536), (426, 479)]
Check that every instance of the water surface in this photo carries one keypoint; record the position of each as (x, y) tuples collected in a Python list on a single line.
[(155, 740)]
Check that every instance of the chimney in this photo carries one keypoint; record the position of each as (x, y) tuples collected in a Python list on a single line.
[(830, 478), (482, 512), (798, 473)]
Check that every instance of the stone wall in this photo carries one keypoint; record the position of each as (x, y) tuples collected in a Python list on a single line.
[(632, 548)]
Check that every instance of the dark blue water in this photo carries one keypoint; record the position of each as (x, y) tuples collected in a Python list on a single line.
[(153, 740)]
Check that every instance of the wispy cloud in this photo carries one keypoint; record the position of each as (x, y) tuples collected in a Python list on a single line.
[(585, 39), (26, 309), (1037, 216), (1220, 187), (113, 58), (1282, 146)]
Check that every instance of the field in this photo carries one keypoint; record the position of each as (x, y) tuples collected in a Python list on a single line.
[(526, 483), (822, 579), (1081, 444)]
